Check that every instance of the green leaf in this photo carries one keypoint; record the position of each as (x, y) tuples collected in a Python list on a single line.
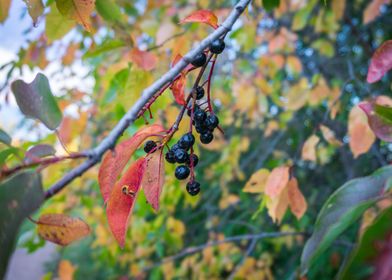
[(20, 195), (108, 10), (4, 137), (270, 4), (4, 154), (105, 47), (364, 255), (341, 210), (57, 25), (379, 118), (36, 100), (384, 112)]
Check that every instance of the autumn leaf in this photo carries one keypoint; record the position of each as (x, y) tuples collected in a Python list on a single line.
[(372, 11), (35, 8), (145, 60), (329, 136), (361, 135), (178, 89), (277, 206), (79, 10), (114, 162), (66, 270), (122, 199), (257, 182), (62, 229), (380, 63), (154, 178), (4, 9), (296, 199), (202, 16), (277, 181), (309, 148), (379, 118)]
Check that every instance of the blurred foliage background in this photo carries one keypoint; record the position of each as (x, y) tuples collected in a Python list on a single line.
[(285, 73)]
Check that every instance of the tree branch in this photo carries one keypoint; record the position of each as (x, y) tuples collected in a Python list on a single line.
[(148, 93)]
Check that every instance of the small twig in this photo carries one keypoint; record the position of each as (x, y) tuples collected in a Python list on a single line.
[(167, 40)]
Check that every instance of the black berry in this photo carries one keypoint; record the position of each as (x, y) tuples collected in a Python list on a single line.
[(193, 158), (206, 137), (193, 187), (181, 155), (217, 46), (201, 128), (149, 146), (189, 112), (170, 157), (199, 116), (175, 147), (212, 122), (182, 172), (199, 60), (199, 92), (186, 141)]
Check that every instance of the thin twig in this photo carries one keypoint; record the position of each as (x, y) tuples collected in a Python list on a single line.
[(110, 141)]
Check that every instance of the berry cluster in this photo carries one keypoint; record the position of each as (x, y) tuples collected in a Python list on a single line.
[(203, 122)]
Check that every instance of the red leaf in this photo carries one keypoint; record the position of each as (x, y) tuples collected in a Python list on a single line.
[(203, 16), (381, 62), (178, 89), (380, 125), (154, 178), (122, 198), (145, 60), (114, 162)]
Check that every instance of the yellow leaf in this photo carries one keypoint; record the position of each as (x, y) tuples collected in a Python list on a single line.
[(257, 182), (277, 181), (175, 226), (361, 136), (277, 206), (35, 8), (228, 200), (66, 270), (61, 229), (309, 148), (297, 201), (329, 135), (338, 7), (79, 10), (298, 95), (4, 9)]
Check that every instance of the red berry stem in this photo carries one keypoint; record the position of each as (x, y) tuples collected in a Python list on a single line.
[(209, 85)]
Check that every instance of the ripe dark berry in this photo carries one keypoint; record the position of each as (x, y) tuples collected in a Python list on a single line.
[(212, 122), (170, 158), (181, 155), (149, 145), (193, 188), (199, 92), (217, 46), (206, 137), (199, 116), (182, 172), (201, 128), (199, 60), (175, 147), (186, 141), (195, 159), (189, 112)]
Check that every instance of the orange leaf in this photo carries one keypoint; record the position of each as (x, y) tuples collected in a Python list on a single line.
[(309, 148), (373, 10), (145, 60), (178, 89), (154, 178), (277, 181), (122, 198), (203, 16), (277, 206), (297, 201), (66, 270), (361, 135), (380, 63), (80, 10), (114, 162), (329, 135), (62, 229), (257, 182)]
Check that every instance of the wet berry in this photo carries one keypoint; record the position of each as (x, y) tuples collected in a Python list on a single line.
[(193, 158), (193, 187), (149, 146), (200, 116), (206, 137), (181, 155), (182, 172), (212, 122), (170, 157), (217, 46), (186, 141), (199, 92), (199, 60)]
